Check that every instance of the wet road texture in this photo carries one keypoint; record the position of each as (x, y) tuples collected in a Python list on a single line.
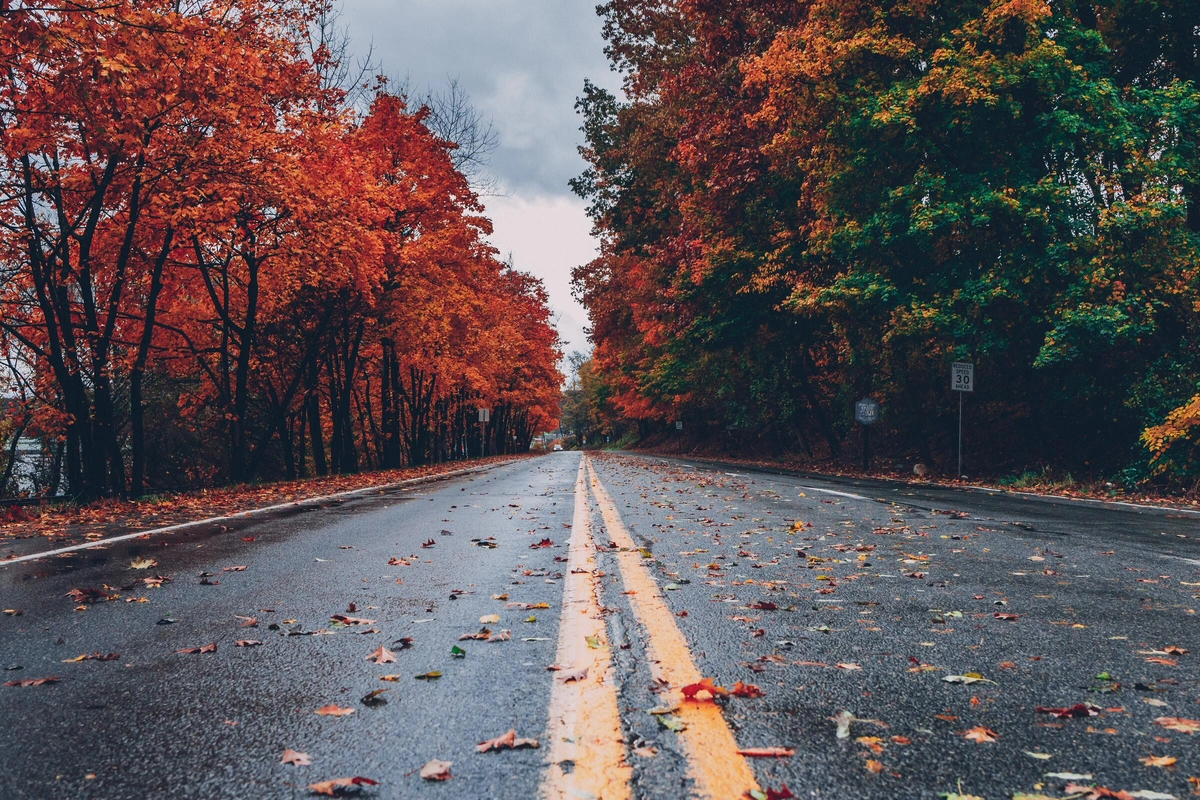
[(840, 608)]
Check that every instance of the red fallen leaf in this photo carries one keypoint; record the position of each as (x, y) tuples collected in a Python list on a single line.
[(681, 613), (1077, 710), (1007, 617), (32, 681), (299, 759), (344, 620), (507, 740), (211, 647), (542, 543), (89, 595), (429, 543), (382, 656), (704, 685), (767, 752), (746, 690), (435, 770), (764, 605), (1166, 662), (247, 643), (352, 608), (247, 538), (338, 786)]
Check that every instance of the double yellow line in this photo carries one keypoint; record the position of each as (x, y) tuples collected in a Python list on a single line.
[(587, 753)]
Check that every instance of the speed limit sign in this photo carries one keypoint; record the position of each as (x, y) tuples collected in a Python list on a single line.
[(962, 376)]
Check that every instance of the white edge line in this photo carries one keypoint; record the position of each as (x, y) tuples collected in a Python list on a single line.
[(250, 513), (831, 491)]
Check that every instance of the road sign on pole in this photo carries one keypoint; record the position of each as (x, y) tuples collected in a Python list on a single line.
[(962, 376), (866, 412), (485, 415), (678, 424), (962, 379)]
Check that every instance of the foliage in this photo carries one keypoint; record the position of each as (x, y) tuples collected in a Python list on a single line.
[(203, 244), (805, 203)]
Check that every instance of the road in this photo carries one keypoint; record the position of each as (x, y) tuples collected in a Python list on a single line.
[(840, 609)]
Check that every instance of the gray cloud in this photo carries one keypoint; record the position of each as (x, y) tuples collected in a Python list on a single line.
[(523, 63)]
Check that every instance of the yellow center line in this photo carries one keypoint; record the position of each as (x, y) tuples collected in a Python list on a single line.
[(714, 765), (587, 750)]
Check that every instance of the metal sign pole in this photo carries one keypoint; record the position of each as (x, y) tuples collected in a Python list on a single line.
[(960, 404)]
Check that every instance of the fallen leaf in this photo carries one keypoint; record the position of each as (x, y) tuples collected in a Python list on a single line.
[(435, 770), (340, 785), (568, 675), (767, 752), (489, 619), (980, 734), (89, 595), (294, 757), (211, 647), (247, 643), (432, 675), (1077, 710), (1040, 756), (508, 740), (746, 690), (332, 710), (382, 656), (873, 766), (92, 657), (374, 698), (704, 685), (1158, 761), (33, 681), (143, 563), (1179, 724)]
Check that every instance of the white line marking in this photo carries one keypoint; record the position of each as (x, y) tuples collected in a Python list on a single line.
[(831, 491), (243, 514)]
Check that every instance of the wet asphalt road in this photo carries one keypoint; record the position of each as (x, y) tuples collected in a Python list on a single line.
[(874, 604)]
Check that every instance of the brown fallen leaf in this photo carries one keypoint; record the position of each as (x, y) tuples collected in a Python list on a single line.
[(1179, 724), (1175, 650), (338, 786), (577, 674), (1077, 710), (542, 543), (1007, 617), (247, 643), (247, 622), (429, 543), (980, 734), (382, 656), (89, 595), (873, 766), (294, 757), (344, 620), (238, 568), (745, 690), (92, 657), (143, 563), (32, 681), (332, 710), (1158, 761), (435, 770), (211, 647), (767, 752), (508, 740)]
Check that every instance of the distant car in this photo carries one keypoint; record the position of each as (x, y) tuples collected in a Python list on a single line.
[(558, 448)]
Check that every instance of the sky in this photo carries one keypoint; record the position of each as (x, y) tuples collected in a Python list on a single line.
[(523, 63)]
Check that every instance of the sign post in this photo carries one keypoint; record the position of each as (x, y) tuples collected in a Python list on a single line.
[(678, 424), (866, 412), (962, 380)]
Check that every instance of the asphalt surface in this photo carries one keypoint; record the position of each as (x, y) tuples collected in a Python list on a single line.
[(879, 593)]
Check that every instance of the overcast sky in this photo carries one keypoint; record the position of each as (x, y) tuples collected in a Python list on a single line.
[(523, 63)]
